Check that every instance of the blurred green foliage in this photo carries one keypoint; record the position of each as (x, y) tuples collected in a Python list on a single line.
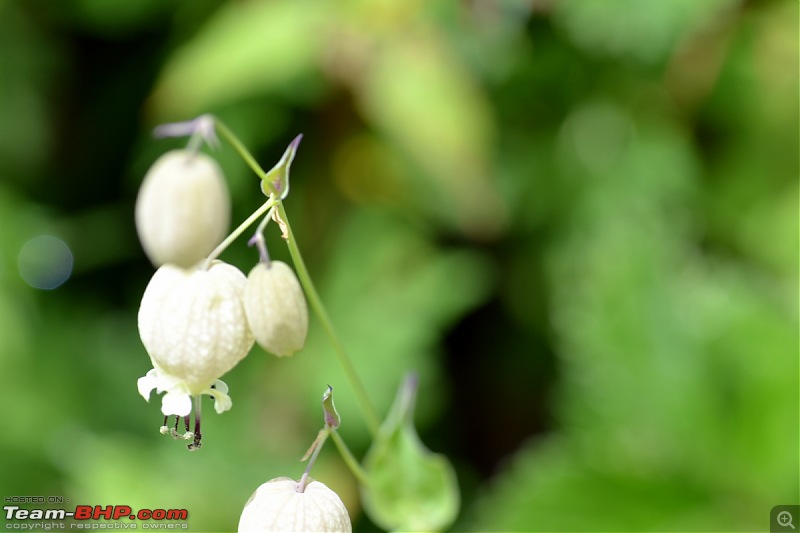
[(577, 220)]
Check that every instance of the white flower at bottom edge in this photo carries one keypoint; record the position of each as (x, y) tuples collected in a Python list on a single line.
[(283, 505), (178, 399)]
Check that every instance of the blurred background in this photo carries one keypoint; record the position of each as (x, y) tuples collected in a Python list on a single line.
[(577, 220)]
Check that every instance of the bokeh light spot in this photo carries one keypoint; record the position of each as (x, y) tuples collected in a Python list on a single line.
[(45, 262)]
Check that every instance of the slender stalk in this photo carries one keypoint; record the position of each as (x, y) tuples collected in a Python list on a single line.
[(262, 226), (239, 147), (258, 240), (351, 461), (266, 206), (318, 444), (316, 303), (195, 141), (370, 414)]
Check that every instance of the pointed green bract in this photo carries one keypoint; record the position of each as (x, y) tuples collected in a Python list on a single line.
[(332, 419), (409, 488), (276, 181)]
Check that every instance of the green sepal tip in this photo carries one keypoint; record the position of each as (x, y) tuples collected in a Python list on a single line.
[(332, 419), (276, 181)]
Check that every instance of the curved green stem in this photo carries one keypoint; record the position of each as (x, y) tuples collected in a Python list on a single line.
[(316, 303), (243, 152), (318, 444), (370, 414), (351, 462), (258, 239), (235, 234)]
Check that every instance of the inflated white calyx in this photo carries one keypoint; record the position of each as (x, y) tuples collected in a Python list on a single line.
[(278, 506), (276, 308), (192, 324), (183, 208)]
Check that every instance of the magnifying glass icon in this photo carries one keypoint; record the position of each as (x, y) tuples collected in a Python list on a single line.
[(785, 519)]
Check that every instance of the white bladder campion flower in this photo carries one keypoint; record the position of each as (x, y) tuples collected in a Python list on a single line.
[(192, 324), (283, 504), (183, 208), (276, 308), (178, 400)]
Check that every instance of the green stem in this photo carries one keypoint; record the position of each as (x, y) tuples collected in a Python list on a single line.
[(316, 303), (344, 451), (318, 444), (258, 238), (373, 422), (239, 147), (238, 231)]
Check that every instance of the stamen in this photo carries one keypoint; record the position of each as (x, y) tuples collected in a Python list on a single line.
[(194, 436), (196, 444), (174, 430)]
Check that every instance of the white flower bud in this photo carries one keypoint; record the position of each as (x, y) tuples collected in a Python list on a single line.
[(183, 208), (278, 506), (193, 324), (276, 308)]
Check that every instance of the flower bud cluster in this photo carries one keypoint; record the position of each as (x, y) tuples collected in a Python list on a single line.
[(199, 316), (197, 319)]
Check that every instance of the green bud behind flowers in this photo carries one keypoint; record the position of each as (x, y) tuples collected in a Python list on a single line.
[(276, 308), (183, 208), (408, 487), (279, 505)]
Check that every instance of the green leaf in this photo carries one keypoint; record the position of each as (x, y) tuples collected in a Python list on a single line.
[(618, 29), (409, 488), (245, 49), (439, 116)]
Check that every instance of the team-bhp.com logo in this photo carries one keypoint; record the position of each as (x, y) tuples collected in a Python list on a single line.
[(18, 518)]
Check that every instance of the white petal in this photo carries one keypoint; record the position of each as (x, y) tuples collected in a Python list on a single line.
[(167, 382), (147, 383), (176, 403), (221, 386), (222, 402)]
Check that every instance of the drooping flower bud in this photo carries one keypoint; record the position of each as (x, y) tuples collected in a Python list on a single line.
[(278, 506), (193, 324), (408, 488), (183, 208), (276, 308)]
